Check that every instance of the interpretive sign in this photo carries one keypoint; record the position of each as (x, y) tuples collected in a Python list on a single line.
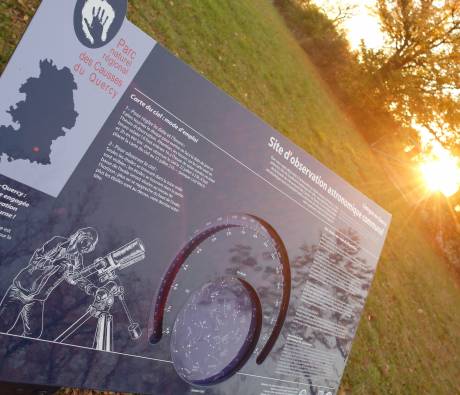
[(155, 236)]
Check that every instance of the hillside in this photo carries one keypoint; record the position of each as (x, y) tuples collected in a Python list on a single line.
[(409, 337)]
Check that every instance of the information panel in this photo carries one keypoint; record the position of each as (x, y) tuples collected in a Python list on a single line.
[(155, 236)]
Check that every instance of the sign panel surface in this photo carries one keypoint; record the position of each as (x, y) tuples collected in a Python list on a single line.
[(155, 236)]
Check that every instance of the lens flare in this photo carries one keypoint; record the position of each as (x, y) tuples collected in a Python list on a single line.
[(441, 172)]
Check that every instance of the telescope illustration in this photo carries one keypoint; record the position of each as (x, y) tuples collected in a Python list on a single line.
[(106, 269)]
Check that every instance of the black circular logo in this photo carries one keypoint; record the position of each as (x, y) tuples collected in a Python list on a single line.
[(97, 22)]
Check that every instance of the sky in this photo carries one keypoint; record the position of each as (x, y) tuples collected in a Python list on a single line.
[(363, 25)]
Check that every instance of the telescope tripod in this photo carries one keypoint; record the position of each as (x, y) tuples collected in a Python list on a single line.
[(100, 309)]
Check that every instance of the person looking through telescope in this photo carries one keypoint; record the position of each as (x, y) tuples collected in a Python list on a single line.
[(55, 262)]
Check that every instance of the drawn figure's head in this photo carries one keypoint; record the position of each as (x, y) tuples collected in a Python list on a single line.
[(84, 240)]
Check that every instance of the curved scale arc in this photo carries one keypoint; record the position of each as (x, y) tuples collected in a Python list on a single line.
[(211, 228)]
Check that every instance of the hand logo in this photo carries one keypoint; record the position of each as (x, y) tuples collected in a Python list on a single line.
[(96, 28), (97, 18), (97, 22)]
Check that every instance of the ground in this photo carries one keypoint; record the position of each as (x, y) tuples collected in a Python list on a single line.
[(408, 341)]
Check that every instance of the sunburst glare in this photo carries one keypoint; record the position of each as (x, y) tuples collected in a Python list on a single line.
[(441, 172)]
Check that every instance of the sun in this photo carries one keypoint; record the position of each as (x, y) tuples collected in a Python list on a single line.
[(441, 173)]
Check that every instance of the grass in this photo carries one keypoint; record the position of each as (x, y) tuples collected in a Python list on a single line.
[(408, 341)]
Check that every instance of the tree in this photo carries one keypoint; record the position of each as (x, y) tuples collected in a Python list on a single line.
[(337, 11), (417, 75), (325, 45)]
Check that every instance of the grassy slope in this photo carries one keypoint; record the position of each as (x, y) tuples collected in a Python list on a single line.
[(409, 338)]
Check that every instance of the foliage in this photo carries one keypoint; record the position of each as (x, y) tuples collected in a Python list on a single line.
[(348, 78), (414, 79), (417, 75)]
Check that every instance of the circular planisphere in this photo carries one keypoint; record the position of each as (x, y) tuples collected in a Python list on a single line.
[(215, 332)]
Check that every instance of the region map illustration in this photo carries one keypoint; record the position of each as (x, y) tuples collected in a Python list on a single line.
[(46, 113)]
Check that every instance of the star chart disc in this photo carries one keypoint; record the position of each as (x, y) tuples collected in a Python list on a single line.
[(215, 331)]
